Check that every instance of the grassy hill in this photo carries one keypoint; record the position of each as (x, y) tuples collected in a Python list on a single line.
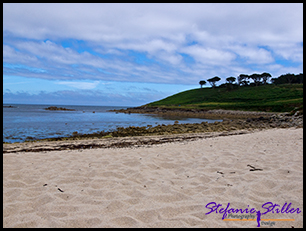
[(274, 98)]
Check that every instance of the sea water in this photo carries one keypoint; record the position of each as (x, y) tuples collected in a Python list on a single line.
[(24, 121)]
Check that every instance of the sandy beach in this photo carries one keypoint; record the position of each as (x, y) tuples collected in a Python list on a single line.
[(162, 185)]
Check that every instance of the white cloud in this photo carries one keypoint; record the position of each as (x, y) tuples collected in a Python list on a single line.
[(255, 55), (10, 55), (80, 85), (289, 51), (208, 55), (222, 39), (171, 58), (121, 22)]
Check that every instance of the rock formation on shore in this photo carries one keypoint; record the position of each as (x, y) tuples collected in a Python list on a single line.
[(197, 113)]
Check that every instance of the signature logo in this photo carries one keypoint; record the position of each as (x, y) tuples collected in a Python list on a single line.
[(268, 207)]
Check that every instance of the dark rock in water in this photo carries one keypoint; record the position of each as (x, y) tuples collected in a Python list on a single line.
[(52, 108), (8, 106)]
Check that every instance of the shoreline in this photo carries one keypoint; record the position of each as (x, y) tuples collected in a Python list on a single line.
[(283, 120), (166, 185), (115, 142)]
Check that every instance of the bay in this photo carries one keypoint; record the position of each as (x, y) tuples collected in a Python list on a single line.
[(25, 121)]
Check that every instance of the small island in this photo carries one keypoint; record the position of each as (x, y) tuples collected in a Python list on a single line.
[(52, 108)]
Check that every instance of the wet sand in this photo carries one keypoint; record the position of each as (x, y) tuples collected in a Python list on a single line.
[(157, 184)]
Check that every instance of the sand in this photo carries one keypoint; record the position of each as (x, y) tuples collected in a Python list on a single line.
[(164, 185)]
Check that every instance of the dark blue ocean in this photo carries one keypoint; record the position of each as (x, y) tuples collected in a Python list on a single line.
[(24, 120)]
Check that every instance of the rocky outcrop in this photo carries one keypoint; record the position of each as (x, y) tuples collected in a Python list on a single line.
[(198, 113), (272, 121), (52, 108)]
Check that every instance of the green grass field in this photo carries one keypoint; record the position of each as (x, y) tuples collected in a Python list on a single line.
[(273, 98)]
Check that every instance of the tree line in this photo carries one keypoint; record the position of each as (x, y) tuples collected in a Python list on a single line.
[(258, 79)]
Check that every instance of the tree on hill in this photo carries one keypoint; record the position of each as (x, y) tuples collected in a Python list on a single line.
[(202, 82), (213, 81), (230, 81), (265, 77), (288, 78), (299, 78), (256, 78), (242, 80)]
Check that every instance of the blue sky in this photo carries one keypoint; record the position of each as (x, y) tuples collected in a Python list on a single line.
[(133, 54)]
